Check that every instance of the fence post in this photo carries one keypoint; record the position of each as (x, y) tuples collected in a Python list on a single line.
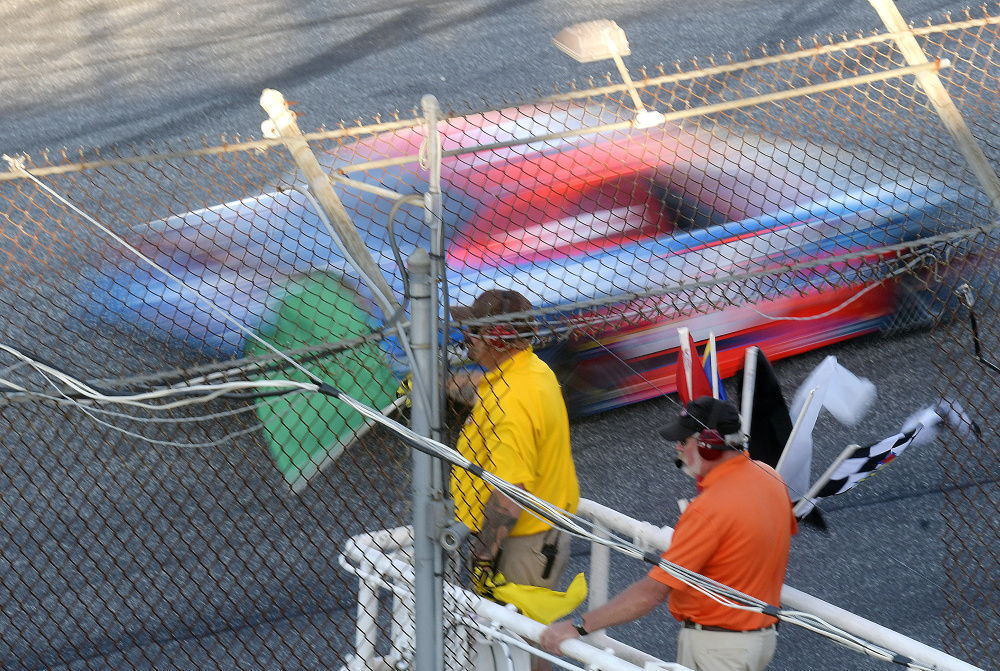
[(428, 585), (433, 220), (283, 125), (942, 102)]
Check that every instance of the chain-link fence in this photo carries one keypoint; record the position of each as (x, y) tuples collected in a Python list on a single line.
[(789, 202)]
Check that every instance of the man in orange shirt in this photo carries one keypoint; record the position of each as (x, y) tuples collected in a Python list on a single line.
[(736, 531)]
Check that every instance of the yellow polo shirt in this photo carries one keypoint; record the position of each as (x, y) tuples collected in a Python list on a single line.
[(518, 430)]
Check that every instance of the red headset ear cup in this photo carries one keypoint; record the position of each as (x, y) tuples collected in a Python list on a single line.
[(708, 454), (711, 444)]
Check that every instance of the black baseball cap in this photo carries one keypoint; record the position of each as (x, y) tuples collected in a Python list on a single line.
[(703, 414)]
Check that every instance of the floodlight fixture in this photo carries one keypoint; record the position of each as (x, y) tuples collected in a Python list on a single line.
[(600, 40)]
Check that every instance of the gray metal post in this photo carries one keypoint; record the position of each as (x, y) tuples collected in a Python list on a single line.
[(432, 217), (427, 553), (938, 96)]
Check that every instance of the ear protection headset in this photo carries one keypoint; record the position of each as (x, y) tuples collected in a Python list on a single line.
[(711, 444), (496, 302), (714, 424)]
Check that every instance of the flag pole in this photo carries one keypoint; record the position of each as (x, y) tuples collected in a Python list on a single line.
[(686, 358), (819, 484), (795, 429), (713, 359), (749, 378)]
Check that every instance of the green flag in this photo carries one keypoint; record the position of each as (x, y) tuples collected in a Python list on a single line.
[(307, 431)]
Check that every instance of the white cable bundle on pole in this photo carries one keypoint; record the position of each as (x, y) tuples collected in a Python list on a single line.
[(73, 390)]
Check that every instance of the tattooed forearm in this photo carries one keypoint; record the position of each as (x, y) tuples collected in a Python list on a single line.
[(499, 517)]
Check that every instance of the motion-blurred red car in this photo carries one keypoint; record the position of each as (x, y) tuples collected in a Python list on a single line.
[(622, 235)]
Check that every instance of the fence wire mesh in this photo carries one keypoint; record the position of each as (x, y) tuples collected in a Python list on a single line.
[(179, 535)]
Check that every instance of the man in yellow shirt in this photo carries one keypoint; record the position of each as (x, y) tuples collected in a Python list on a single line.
[(518, 429)]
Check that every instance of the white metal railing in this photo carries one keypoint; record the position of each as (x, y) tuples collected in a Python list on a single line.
[(479, 630), (652, 538), (382, 561)]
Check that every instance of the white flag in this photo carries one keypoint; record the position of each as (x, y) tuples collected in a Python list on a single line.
[(941, 414), (840, 391)]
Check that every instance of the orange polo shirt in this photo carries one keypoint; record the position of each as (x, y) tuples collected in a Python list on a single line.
[(737, 531)]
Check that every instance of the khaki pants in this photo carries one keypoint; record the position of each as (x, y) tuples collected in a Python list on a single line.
[(522, 562), (726, 651)]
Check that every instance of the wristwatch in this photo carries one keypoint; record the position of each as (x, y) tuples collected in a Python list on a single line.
[(578, 624)]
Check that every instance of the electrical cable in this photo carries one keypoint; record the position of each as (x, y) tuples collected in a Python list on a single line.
[(912, 259), (569, 323), (66, 400), (906, 267), (188, 389), (18, 166), (531, 503), (577, 526), (203, 392), (404, 342), (167, 443), (89, 409), (408, 199), (534, 505)]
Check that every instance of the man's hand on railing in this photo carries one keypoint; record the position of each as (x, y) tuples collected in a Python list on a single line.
[(555, 634)]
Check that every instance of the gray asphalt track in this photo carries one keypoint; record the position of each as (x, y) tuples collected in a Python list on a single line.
[(109, 72), (93, 73)]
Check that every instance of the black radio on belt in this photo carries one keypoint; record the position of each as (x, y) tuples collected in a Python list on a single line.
[(549, 551)]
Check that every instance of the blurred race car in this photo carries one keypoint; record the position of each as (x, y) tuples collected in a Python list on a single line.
[(620, 236)]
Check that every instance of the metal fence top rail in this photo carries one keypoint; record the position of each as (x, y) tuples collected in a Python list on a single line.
[(678, 115), (734, 66)]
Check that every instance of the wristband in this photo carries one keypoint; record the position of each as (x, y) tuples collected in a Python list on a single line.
[(578, 624)]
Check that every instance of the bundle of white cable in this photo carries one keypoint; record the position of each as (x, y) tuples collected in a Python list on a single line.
[(69, 389)]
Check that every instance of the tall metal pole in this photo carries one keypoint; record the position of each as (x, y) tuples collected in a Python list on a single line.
[(938, 96), (435, 223), (441, 510), (428, 585)]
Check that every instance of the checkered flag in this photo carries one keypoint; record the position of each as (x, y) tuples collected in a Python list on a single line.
[(854, 465)]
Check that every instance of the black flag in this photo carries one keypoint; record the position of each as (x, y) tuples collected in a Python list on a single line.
[(770, 423)]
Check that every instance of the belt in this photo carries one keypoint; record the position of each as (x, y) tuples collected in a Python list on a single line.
[(688, 624)]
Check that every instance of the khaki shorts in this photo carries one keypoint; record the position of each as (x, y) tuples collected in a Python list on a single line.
[(522, 561), (726, 651)]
